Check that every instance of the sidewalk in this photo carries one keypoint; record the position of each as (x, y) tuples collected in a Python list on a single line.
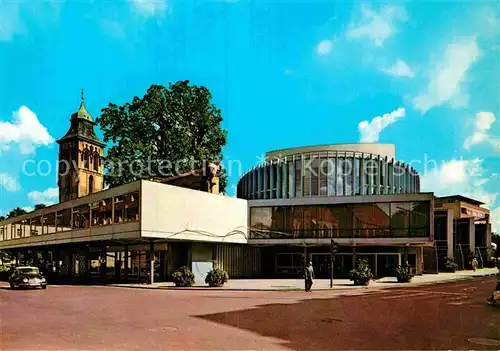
[(324, 284)]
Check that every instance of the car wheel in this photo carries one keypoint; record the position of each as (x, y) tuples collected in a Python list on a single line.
[(44, 286)]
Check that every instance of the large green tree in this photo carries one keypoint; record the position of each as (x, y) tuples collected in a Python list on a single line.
[(16, 212), (169, 131), (40, 206), (2, 218)]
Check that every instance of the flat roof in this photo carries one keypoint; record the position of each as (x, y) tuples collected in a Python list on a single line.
[(460, 198), (384, 150)]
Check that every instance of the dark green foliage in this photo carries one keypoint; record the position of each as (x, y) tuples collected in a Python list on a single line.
[(403, 273), (450, 264), (183, 277), (216, 277), (362, 273), (40, 206), (164, 130), (16, 212)]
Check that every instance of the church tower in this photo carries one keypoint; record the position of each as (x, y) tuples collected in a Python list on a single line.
[(81, 155)]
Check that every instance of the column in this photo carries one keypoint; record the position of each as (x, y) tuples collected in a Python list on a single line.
[(259, 182), (151, 263), (291, 177), (449, 233), (265, 187), (284, 179), (376, 186), (472, 235), (390, 176), (103, 267), (125, 266), (362, 172), (279, 179)]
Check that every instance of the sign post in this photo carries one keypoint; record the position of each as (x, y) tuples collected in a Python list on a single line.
[(333, 251)]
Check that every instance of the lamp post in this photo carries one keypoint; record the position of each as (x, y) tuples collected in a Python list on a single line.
[(333, 251)]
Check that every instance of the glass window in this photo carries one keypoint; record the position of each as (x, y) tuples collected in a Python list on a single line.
[(400, 218), (64, 220), (278, 218), (291, 180), (102, 212), (267, 169), (49, 223), (274, 180), (315, 176), (323, 177), (419, 214), (310, 222), (372, 220), (36, 226), (81, 217), (340, 177), (331, 176), (295, 221), (261, 218), (298, 178), (284, 192), (347, 170), (306, 173), (132, 207), (356, 177)]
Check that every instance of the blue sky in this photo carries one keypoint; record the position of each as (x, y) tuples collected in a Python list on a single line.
[(422, 75)]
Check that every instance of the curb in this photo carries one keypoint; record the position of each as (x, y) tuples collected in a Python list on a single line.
[(347, 288)]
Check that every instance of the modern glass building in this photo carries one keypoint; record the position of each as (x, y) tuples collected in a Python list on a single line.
[(359, 195), (329, 170)]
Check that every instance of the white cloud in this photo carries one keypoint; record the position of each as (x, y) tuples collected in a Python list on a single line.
[(28, 208), (459, 177), (495, 220), (10, 20), (9, 183), (399, 69), (47, 196), (446, 82), (150, 8), (370, 131), (482, 124), (324, 47), (377, 26), (26, 130)]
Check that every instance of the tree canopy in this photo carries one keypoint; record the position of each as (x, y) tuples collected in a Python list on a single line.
[(40, 206), (169, 131), (16, 212)]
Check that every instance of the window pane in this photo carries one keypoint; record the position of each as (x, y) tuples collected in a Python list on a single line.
[(64, 220), (331, 176), (400, 218), (49, 223), (278, 217), (323, 186), (131, 207), (291, 180), (306, 173), (356, 177), (419, 214), (340, 177), (81, 217), (261, 218), (102, 212), (298, 177), (315, 176), (347, 170)]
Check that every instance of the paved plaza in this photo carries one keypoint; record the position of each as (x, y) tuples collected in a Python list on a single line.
[(442, 316)]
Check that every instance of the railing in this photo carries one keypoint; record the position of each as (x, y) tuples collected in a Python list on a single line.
[(334, 233)]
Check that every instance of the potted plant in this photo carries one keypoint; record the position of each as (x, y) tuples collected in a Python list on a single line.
[(362, 274), (403, 274), (450, 265), (216, 277), (183, 277), (490, 257)]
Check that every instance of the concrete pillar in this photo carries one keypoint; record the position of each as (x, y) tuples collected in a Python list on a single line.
[(151, 263), (279, 179), (103, 267), (420, 260), (472, 235), (362, 172), (449, 233), (125, 268), (488, 234)]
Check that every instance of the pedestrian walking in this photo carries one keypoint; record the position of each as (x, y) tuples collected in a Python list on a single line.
[(475, 264), (309, 276)]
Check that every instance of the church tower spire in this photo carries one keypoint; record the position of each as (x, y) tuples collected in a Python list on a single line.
[(81, 155)]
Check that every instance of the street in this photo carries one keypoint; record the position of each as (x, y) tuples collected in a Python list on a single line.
[(442, 316)]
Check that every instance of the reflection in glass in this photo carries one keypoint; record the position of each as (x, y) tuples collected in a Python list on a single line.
[(298, 178), (315, 175), (306, 173)]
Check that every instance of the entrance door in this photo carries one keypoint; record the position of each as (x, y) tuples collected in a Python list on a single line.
[(386, 265), (321, 265)]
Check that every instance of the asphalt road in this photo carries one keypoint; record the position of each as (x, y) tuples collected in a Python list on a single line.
[(444, 316)]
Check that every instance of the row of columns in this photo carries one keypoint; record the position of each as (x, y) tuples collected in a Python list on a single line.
[(277, 179)]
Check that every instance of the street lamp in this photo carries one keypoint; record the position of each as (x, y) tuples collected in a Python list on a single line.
[(333, 251)]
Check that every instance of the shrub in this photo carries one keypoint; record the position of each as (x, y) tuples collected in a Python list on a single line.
[(183, 277), (362, 274), (403, 274), (450, 264), (216, 277)]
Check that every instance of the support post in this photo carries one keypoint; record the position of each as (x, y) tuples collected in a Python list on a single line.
[(125, 269), (151, 263)]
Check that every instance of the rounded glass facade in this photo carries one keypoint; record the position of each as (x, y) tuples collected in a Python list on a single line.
[(338, 173)]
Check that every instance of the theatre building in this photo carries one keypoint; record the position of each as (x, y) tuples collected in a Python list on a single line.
[(286, 213), (359, 195)]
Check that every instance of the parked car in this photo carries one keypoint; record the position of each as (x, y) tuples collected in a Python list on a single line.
[(27, 277)]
